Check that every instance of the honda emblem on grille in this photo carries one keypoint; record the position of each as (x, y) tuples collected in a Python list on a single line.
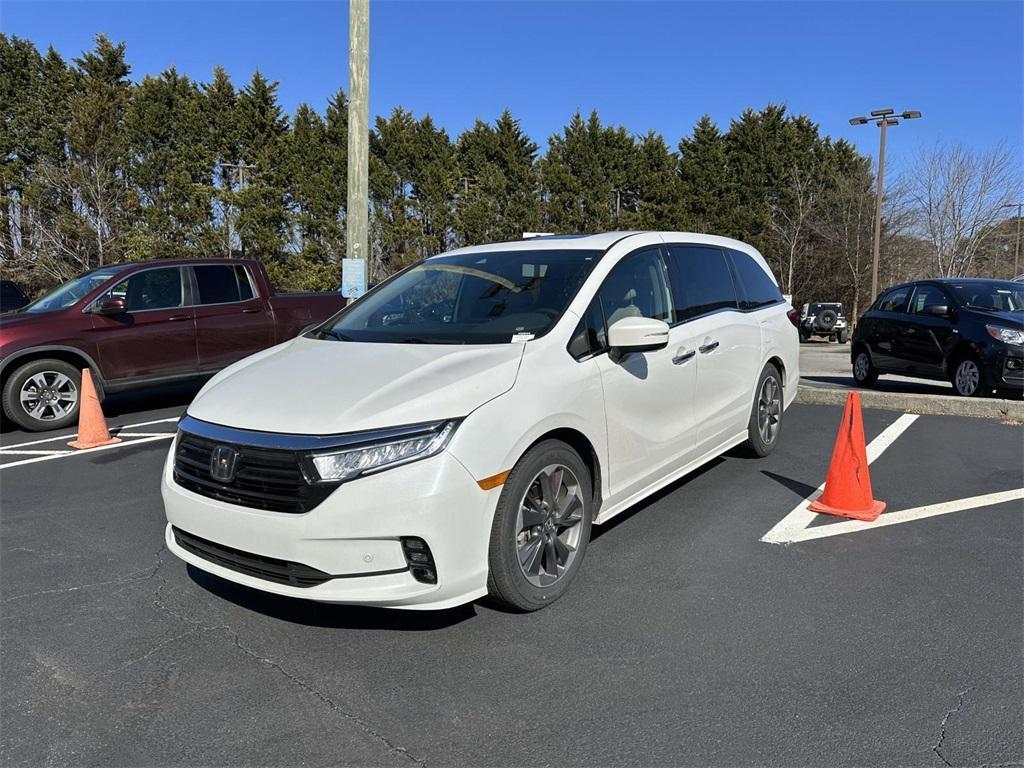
[(223, 463)]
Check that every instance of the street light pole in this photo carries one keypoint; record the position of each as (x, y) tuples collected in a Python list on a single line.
[(357, 213), (1016, 245), (883, 118)]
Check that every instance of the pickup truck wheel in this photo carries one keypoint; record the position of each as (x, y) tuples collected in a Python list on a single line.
[(43, 394), (541, 527), (766, 415)]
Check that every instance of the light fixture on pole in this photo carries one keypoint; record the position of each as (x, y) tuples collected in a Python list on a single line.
[(883, 118)]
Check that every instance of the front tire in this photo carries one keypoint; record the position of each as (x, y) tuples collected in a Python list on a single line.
[(843, 336), (967, 378), (541, 527), (43, 394), (864, 373), (766, 416)]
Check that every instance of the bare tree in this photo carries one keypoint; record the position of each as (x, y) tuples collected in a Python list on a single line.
[(957, 195), (790, 221)]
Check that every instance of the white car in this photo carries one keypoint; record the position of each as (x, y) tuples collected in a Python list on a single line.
[(456, 432)]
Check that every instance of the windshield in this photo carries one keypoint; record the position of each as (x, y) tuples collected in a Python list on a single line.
[(989, 295), (69, 293), (474, 298)]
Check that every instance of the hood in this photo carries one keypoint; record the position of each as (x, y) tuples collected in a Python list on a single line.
[(320, 387), (1008, 319)]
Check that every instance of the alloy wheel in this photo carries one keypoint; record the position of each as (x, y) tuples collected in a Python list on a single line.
[(769, 410), (549, 524), (861, 366), (48, 395), (968, 377)]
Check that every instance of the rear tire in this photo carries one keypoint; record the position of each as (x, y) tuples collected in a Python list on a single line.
[(765, 423), (43, 394), (540, 533), (843, 336), (864, 372)]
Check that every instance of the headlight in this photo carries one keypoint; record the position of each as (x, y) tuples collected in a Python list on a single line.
[(417, 442), (1008, 335)]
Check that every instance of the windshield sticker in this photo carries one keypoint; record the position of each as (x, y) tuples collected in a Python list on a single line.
[(521, 337)]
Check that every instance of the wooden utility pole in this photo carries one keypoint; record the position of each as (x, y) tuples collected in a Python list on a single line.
[(357, 213)]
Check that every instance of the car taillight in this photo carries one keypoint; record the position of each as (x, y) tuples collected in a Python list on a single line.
[(794, 317)]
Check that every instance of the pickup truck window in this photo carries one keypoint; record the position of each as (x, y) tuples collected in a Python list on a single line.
[(478, 298), (223, 284), (71, 292), (150, 289)]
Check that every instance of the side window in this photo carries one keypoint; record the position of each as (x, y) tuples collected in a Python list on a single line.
[(222, 284), (151, 289), (757, 287), (636, 287), (701, 282), (244, 283), (894, 300), (926, 296), (590, 337)]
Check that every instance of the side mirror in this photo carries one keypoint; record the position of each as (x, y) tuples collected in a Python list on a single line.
[(937, 310), (636, 334), (111, 307)]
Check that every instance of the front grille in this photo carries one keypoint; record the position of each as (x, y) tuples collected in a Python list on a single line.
[(265, 478), (268, 568)]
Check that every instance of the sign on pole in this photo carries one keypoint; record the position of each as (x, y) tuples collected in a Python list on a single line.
[(353, 278)]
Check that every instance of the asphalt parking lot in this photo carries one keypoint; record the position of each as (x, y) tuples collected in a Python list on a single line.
[(686, 640)]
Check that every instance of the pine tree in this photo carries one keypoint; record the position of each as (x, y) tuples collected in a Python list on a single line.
[(706, 180), (661, 205)]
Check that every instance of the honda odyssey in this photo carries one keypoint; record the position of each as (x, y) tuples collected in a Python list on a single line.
[(456, 432)]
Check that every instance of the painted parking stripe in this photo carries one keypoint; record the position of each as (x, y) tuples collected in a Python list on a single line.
[(907, 515), (792, 525), (72, 435), (69, 454)]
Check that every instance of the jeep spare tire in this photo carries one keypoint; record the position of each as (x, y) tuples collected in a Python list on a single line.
[(827, 319)]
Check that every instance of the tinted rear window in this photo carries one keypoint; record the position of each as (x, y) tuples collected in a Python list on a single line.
[(757, 287), (222, 284)]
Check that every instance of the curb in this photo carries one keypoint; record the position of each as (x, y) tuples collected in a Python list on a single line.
[(924, 405)]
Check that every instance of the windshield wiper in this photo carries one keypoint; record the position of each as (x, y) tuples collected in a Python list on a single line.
[(332, 334)]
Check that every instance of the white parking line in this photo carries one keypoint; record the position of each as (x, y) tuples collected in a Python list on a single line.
[(69, 454), (73, 435), (906, 515), (31, 453), (794, 524)]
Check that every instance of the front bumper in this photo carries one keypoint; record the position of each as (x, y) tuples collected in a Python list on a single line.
[(354, 535), (1004, 366)]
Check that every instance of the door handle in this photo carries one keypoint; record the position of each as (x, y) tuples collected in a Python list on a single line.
[(711, 346), (175, 318), (682, 357), (250, 310)]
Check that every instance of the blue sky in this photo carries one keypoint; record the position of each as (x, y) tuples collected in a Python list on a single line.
[(642, 65)]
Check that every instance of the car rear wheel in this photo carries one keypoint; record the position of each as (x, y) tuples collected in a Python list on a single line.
[(43, 394), (541, 527), (766, 416), (967, 378), (864, 373)]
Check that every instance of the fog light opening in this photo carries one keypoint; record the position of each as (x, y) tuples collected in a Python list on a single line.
[(419, 559)]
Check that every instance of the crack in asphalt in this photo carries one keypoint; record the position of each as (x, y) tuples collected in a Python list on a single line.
[(942, 728), (232, 635)]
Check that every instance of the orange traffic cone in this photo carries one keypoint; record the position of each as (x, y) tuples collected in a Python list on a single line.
[(848, 486), (92, 427)]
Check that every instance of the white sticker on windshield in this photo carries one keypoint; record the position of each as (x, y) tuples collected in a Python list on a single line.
[(521, 337)]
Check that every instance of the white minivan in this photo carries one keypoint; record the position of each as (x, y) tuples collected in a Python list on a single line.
[(456, 432)]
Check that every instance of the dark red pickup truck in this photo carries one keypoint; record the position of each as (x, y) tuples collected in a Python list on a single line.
[(139, 324)]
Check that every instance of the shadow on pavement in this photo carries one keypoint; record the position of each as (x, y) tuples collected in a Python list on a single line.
[(803, 490), (314, 614)]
